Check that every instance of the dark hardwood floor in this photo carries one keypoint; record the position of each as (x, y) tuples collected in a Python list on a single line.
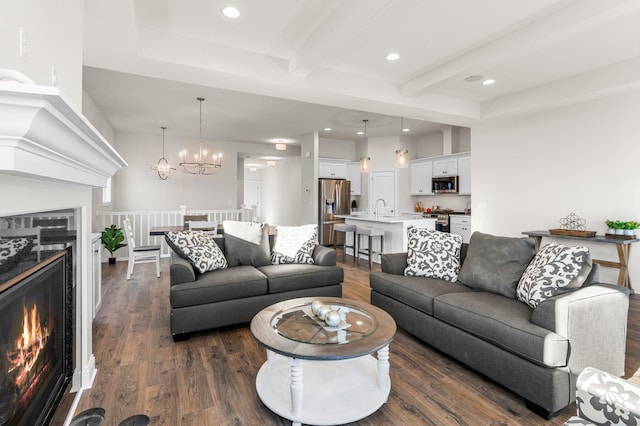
[(210, 378)]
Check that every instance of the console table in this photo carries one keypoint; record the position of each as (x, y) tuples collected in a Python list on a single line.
[(623, 246)]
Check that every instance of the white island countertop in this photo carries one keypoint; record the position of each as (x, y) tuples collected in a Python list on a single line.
[(394, 228)]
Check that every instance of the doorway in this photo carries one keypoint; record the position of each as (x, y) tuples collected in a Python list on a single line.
[(383, 186), (252, 197)]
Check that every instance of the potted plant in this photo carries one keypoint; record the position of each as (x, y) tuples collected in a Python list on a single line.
[(112, 238), (630, 226), (354, 205)]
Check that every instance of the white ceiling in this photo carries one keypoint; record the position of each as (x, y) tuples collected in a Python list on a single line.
[(285, 68)]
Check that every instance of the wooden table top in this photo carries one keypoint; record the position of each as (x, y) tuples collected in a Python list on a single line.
[(382, 335), (161, 230)]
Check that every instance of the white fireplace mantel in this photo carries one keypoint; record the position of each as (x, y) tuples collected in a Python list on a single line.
[(43, 136)]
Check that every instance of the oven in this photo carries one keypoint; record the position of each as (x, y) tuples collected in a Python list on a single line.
[(442, 220)]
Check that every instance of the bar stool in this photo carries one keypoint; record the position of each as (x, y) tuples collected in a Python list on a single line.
[(370, 232), (343, 227)]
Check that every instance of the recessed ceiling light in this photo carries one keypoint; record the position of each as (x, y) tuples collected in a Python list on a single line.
[(393, 56), (271, 162), (488, 82), (327, 129), (473, 78), (361, 132), (406, 129), (253, 169), (231, 12)]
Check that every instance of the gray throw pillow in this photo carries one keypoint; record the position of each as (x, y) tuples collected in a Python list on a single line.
[(243, 252), (554, 270), (495, 264)]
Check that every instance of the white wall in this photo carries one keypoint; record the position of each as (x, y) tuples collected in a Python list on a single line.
[(280, 194), (337, 148), (309, 178), (530, 171), (53, 33)]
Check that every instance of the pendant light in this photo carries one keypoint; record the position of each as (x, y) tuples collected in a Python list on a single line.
[(163, 168), (200, 165), (364, 161), (402, 155)]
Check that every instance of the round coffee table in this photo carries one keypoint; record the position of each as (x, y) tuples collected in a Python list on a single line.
[(341, 381)]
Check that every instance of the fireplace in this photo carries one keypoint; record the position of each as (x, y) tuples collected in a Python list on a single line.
[(36, 340)]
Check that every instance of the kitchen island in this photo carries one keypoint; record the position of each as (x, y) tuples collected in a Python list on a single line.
[(395, 231)]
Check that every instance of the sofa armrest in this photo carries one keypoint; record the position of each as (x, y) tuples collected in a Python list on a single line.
[(605, 399), (324, 256), (180, 270), (594, 320), (394, 263)]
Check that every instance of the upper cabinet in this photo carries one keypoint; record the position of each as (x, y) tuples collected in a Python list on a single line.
[(421, 172), (445, 167), (464, 175), (354, 175), (332, 169)]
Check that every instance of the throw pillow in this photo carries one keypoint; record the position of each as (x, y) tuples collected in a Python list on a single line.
[(198, 248), (495, 264), (248, 231), (555, 269), (433, 254), (12, 251), (243, 252), (294, 244)]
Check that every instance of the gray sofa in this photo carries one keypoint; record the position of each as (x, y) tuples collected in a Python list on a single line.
[(235, 294), (537, 353)]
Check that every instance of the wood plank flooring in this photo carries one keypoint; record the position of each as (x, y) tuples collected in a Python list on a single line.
[(210, 378)]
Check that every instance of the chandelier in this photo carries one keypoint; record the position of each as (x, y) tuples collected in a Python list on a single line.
[(200, 165), (163, 168)]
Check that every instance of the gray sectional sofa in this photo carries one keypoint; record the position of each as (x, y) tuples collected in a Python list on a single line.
[(201, 301), (537, 353)]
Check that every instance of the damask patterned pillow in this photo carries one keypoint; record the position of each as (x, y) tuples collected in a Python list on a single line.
[(433, 254), (554, 269), (12, 251), (294, 244), (198, 248), (604, 399)]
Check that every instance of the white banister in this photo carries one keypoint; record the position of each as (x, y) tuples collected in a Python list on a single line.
[(143, 221)]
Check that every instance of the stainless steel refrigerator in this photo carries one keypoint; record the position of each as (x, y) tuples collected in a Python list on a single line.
[(335, 198)]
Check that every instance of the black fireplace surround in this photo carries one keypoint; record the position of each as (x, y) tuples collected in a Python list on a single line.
[(36, 340)]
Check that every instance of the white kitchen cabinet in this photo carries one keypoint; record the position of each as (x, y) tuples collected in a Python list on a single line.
[(464, 175), (332, 169), (460, 225), (421, 173), (355, 177), (96, 275), (445, 167)]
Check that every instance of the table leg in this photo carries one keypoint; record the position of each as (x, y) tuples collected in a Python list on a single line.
[(383, 367), (296, 385), (623, 256)]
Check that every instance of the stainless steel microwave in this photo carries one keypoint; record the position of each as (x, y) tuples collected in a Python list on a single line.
[(444, 184)]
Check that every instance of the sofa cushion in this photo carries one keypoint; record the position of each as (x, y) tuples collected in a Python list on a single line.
[(505, 323), (433, 254), (294, 244), (495, 264), (298, 276), (199, 248), (216, 286), (555, 269), (248, 231), (243, 252), (417, 292)]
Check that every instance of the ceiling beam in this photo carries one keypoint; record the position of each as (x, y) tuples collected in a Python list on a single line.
[(344, 23), (579, 17)]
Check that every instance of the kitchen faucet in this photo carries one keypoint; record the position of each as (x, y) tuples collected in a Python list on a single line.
[(375, 211)]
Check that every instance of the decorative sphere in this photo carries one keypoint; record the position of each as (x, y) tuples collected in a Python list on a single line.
[(315, 305), (332, 318), (322, 311)]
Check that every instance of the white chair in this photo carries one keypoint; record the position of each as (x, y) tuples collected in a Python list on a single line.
[(24, 232), (207, 227), (139, 254)]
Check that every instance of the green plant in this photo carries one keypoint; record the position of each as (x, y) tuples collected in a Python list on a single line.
[(354, 204), (615, 224), (631, 225), (112, 238)]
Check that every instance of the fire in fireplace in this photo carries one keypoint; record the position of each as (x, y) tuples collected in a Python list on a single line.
[(35, 341)]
